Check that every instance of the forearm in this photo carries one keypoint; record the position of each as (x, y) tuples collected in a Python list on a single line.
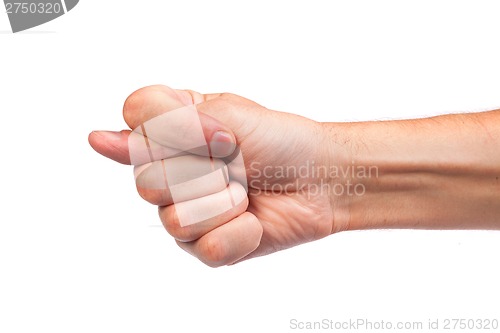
[(435, 173)]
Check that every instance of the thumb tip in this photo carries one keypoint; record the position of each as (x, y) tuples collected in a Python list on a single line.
[(222, 144), (113, 145)]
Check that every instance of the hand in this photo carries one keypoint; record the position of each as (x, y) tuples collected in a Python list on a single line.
[(283, 208)]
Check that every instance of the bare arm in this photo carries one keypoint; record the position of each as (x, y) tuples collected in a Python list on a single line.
[(435, 173)]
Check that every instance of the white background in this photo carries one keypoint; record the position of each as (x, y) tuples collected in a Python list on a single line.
[(81, 252)]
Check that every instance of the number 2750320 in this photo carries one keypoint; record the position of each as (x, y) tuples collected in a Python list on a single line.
[(33, 8)]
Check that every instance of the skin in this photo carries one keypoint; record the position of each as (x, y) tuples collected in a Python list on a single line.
[(435, 173)]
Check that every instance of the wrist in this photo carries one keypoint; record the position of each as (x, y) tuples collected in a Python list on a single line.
[(338, 156)]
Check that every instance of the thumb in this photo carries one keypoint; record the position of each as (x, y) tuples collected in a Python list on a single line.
[(165, 123), (177, 132)]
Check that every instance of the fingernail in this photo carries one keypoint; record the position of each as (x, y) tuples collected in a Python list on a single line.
[(221, 144), (109, 135)]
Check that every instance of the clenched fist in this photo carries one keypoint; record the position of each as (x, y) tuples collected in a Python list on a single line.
[(232, 179)]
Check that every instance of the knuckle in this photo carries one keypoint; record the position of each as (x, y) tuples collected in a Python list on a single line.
[(140, 105), (213, 252), (154, 196), (233, 99), (171, 223), (135, 102)]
